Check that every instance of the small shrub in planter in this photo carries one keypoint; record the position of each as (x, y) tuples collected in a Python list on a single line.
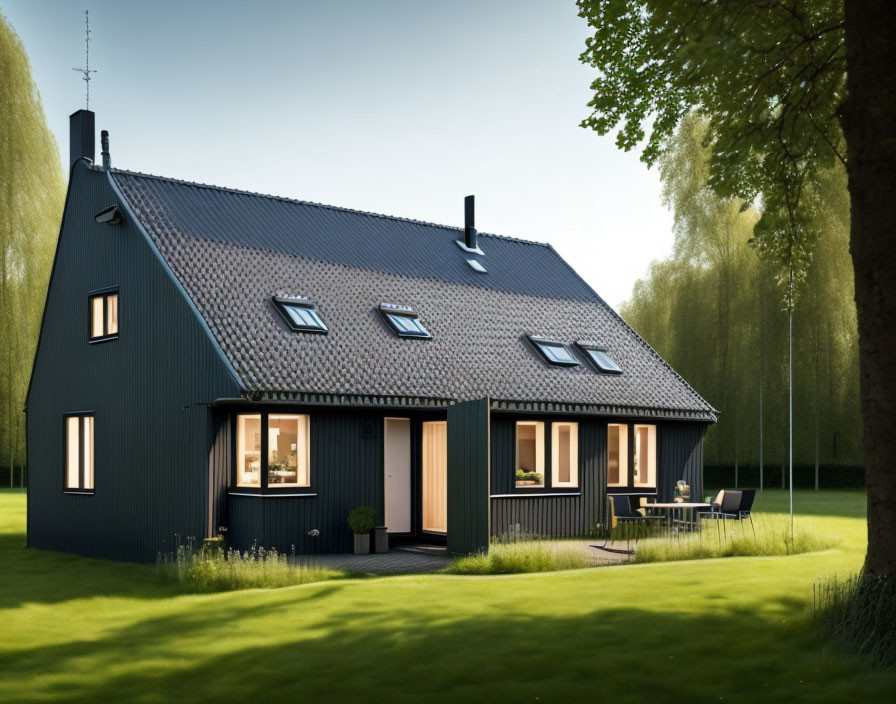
[(362, 520), (527, 478)]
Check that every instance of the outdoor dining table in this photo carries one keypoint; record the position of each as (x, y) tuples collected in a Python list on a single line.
[(682, 506)]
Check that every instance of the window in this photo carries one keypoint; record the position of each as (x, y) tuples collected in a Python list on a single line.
[(554, 352), (403, 320), (283, 440), (103, 316), (79, 453), (300, 314), (617, 454), (565, 454), (248, 450), (600, 358), (288, 450), (530, 454), (645, 456)]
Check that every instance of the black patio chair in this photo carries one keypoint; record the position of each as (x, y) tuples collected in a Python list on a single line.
[(625, 513), (728, 508), (747, 496)]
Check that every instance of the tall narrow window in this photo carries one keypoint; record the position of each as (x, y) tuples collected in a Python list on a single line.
[(248, 450), (103, 316), (617, 454), (565, 454), (530, 454), (79, 453), (288, 450), (645, 456)]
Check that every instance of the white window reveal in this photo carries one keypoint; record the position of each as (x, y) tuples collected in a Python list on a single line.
[(617, 454), (564, 455), (79, 453), (529, 454), (645, 456)]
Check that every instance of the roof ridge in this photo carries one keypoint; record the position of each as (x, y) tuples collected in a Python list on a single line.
[(339, 208)]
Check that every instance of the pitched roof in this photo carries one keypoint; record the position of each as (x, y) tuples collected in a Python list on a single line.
[(233, 251)]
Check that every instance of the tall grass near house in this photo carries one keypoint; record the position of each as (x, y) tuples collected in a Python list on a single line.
[(772, 538), (215, 569), (512, 555), (859, 614)]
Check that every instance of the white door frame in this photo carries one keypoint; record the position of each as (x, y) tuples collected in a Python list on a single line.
[(397, 474)]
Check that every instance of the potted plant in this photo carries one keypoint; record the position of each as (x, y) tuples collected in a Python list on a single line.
[(527, 478), (362, 520)]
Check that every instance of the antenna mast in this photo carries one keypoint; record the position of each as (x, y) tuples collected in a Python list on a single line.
[(86, 70)]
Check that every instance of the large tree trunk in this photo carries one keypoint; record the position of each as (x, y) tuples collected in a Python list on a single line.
[(869, 125)]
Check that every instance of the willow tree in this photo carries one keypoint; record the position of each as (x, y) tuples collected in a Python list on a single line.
[(789, 87), (32, 191)]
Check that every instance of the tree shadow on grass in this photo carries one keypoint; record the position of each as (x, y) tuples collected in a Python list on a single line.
[(278, 649)]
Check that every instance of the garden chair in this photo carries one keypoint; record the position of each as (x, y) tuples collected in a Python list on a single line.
[(747, 496), (624, 513), (728, 508)]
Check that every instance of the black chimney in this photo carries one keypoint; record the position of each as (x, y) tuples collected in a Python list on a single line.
[(104, 145), (470, 222), (81, 136)]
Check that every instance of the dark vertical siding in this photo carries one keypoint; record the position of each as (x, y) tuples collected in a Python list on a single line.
[(468, 477), (148, 391), (574, 514), (681, 457), (346, 471)]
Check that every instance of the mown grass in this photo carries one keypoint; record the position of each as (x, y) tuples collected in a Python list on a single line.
[(217, 570), (516, 557), (733, 630)]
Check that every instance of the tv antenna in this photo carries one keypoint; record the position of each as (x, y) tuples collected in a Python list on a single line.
[(86, 70)]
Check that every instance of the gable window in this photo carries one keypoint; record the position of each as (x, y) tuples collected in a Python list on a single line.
[(403, 320), (564, 454), (300, 314), (103, 309), (617, 454), (599, 358), (554, 352), (529, 454), (273, 450), (645, 456), (79, 453)]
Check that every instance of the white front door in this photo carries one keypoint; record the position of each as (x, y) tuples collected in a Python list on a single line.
[(397, 474)]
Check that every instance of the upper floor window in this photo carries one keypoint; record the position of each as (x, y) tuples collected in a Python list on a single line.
[(273, 450), (79, 452), (600, 358), (529, 453), (103, 316), (403, 320), (554, 352), (300, 314)]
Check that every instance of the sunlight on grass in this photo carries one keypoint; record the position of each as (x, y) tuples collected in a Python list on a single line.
[(214, 570), (524, 556), (772, 538)]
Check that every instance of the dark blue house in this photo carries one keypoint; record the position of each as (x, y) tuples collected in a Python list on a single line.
[(213, 360)]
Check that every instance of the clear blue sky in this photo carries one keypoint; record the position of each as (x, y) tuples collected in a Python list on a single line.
[(394, 106)]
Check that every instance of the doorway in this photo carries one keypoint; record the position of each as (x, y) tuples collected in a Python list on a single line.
[(397, 474)]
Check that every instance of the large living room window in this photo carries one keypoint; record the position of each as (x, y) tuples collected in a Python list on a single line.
[(529, 454), (645, 456), (273, 450), (564, 455), (617, 454), (79, 453)]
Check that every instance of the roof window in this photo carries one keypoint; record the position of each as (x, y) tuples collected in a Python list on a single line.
[(300, 314), (600, 358), (403, 320), (554, 352)]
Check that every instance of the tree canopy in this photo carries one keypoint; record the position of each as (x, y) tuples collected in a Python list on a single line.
[(32, 192)]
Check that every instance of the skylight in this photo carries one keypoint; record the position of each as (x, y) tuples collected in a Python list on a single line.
[(300, 314), (403, 320), (600, 358), (554, 352)]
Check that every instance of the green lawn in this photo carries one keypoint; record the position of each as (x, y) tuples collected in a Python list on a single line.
[(734, 629)]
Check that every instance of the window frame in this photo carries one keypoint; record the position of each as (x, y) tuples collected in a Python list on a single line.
[(389, 310), (587, 348), (105, 294), (573, 482), (630, 487), (540, 343), (82, 487), (264, 486), (652, 454), (539, 454), (281, 303)]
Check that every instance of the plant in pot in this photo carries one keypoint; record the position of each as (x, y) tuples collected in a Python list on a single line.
[(525, 477), (362, 520)]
